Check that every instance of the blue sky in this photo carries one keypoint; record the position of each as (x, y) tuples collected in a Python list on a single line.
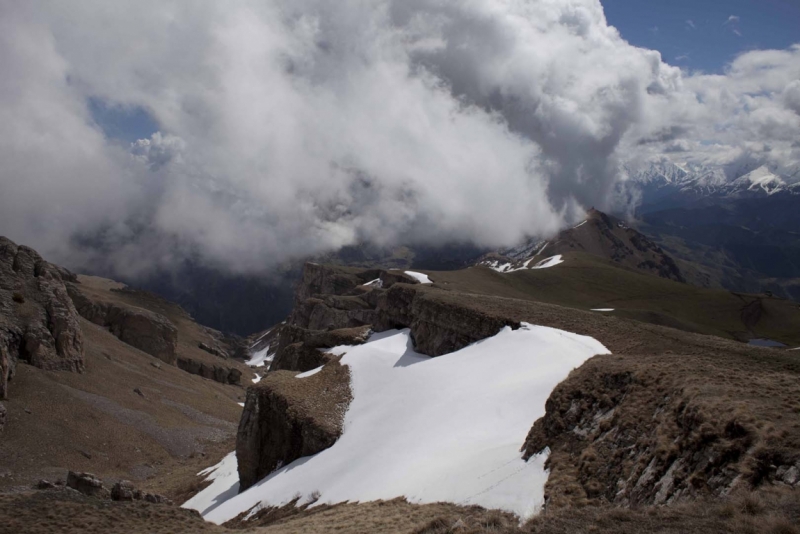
[(712, 38)]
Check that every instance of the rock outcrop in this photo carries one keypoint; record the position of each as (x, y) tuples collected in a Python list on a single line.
[(86, 483), (3, 415), (654, 429), (148, 331), (299, 349), (286, 418), (219, 373), (439, 324), (38, 321)]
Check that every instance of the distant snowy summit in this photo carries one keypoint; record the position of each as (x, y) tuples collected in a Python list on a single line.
[(662, 178)]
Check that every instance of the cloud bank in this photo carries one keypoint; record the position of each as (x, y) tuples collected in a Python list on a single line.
[(288, 129)]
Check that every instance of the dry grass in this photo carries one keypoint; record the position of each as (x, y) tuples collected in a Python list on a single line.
[(95, 422), (584, 282), (768, 511)]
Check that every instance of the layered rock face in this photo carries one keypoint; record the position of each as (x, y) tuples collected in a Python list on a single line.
[(652, 429), (147, 331), (38, 321), (438, 325), (286, 418), (219, 373)]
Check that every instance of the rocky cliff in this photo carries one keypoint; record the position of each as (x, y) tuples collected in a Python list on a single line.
[(286, 418), (147, 331), (652, 429), (341, 306), (656, 422), (38, 321)]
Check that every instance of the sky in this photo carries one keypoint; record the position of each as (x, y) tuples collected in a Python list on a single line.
[(706, 35), (250, 133)]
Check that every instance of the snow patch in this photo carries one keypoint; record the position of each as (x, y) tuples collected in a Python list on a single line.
[(261, 358), (580, 224), (421, 278), (224, 485), (429, 429), (257, 379), (549, 262), (375, 283), (240, 404), (310, 373), (603, 309)]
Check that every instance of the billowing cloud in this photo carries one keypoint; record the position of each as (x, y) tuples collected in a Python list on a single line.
[(294, 128)]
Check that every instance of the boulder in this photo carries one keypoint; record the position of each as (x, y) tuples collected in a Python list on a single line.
[(122, 491), (148, 331), (86, 483), (38, 321), (286, 418)]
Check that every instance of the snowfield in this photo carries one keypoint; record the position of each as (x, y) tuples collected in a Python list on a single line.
[(421, 278), (448, 428), (549, 262)]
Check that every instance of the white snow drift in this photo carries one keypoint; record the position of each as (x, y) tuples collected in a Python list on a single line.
[(552, 261), (430, 429), (421, 278)]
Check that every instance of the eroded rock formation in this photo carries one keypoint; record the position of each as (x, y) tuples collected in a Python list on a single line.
[(148, 331), (219, 373), (38, 321), (286, 418)]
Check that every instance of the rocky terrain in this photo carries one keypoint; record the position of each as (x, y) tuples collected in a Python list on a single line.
[(674, 429), (91, 381), (38, 321)]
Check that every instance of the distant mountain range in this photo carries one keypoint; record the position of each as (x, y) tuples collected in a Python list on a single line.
[(736, 228), (665, 184)]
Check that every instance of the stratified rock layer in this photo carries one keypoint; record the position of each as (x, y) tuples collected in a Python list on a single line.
[(148, 331), (38, 321), (286, 418)]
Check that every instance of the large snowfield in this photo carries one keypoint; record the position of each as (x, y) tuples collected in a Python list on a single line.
[(448, 428)]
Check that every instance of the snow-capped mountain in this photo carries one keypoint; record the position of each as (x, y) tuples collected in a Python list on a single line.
[(662, 179)]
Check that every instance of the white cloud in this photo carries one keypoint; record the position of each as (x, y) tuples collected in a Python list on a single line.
[(292, 128), (690, 24)]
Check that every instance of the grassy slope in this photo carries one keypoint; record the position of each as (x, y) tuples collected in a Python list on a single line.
[(585, 282), (96, 422)]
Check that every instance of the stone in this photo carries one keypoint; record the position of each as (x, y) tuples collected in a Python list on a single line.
[(38, 321), (45, 484), (122, 491), (86, 483), (791, 476)]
